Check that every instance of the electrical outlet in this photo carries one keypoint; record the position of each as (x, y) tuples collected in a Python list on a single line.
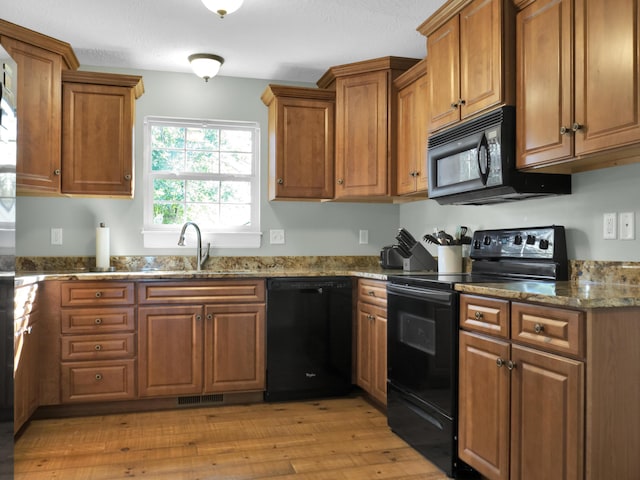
[(276, 237), (56, 236), (610, 226), (627, 226), (364, 237)]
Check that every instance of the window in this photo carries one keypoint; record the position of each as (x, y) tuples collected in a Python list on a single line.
[(204, 171)]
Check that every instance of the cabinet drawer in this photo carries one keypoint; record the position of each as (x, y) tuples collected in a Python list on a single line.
[(372, 291), (96, 293), (554, 329), (98, 347), (488, 315), (372, 312), (98, 381), (97, 320), (211, 291)]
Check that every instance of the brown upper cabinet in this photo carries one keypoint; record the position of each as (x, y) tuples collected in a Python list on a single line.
[(75, 129), (98, 117), (301, 142), (365, 126), (578, 103), (411, 126), (40, 61), (470, 47)]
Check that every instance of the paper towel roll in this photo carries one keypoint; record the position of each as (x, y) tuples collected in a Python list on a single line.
[(103, 260)]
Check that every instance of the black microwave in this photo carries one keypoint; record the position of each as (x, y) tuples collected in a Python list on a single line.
[(474, 163)]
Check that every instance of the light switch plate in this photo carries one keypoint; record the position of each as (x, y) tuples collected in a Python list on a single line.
[(276, 236), (56, 236), (627, 226)]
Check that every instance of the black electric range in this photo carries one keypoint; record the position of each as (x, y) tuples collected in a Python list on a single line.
[(422, 334)]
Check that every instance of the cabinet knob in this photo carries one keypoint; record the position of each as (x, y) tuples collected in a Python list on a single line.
[(565, 130), (371, 293), (127, 176), (538, 328), (198, 317), (98, 376), (478, 316), (280, 181), (98, 321), (462, 102), (454, 105), (511, 365), (371, 317), (98, 294), (98, 348), (499, 362), (56, 171), (576, 126), (209, 316), (340, 181)]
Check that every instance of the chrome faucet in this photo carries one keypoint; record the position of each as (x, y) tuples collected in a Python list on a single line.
[(200, 259)]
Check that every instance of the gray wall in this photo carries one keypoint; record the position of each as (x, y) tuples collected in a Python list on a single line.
[(310, 228), (316, 228)]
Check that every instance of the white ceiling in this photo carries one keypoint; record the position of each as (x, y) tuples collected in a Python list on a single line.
[(292, 40)]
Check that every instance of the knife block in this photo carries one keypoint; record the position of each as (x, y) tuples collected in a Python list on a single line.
[(420, 259)]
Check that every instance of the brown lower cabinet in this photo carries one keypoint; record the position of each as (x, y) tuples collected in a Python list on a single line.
[(371, 351), (201, 337), (547, 394)]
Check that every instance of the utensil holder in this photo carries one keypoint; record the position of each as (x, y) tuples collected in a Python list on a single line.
[(449, 258)]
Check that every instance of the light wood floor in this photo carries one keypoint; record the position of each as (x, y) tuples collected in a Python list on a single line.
[(332, 439)]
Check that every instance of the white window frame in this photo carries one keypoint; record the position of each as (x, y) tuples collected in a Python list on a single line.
[(166, 236)]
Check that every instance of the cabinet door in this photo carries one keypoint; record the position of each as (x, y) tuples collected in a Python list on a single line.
[(39, 121), (547, 416), (544, 82), (365, 349), (302, 146), (411, 161), (169, 350), (483, 424), (607, 65), (480, 56), (25, 374), (234, 348), (443, 48), (362, 135), (97, 140)]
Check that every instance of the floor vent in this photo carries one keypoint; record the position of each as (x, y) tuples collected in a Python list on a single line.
[(200, 399)]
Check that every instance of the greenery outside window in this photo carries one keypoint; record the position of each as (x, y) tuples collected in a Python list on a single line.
[(204, 171)]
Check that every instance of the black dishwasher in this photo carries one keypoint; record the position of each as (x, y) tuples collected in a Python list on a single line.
[(308, 337)]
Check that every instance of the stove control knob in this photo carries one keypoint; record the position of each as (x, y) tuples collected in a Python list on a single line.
[(477, 244), (518, 239), (486, 240), (531, 239), (544, 244)]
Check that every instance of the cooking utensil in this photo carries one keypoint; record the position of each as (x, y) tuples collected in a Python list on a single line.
[(445, 238), (431, 239)]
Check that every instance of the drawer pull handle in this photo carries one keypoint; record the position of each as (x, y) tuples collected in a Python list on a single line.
[(499, 362), (538, 328), (98, 347), (511, 365), (98, 376), (371, 293), (98, 294), (98, 321), (478, 316)]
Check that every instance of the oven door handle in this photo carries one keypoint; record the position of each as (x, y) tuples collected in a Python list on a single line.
[(437, 296)]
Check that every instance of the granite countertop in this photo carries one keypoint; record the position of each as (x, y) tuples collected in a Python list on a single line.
[(565, 294)]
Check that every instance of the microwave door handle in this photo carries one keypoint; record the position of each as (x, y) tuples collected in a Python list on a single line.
[(483, 145)]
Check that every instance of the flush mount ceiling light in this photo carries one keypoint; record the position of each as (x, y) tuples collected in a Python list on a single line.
[(223, 7), (205, 65)]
